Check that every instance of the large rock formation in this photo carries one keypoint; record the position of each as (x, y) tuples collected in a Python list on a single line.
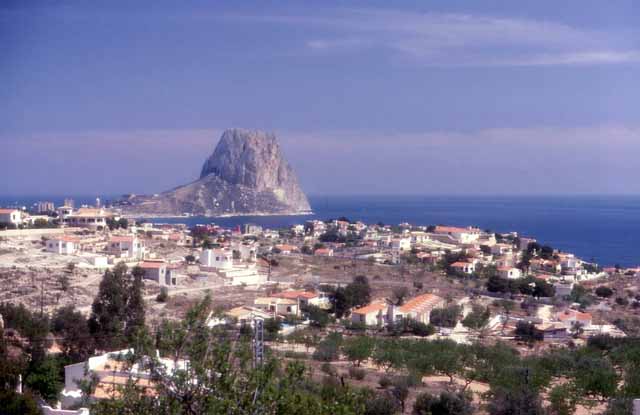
[(246, 174)]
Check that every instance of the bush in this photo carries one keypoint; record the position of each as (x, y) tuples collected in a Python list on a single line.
[(420, 329), (411, 380), (604, 292), (622, 301), (328, 349), (445, 317), (384, 381), (357, 373), (295, 355), (163, 296), (384, 404), (328, 369), (448, 403)]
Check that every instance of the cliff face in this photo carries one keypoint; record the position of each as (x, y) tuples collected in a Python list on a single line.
[(246, 174)]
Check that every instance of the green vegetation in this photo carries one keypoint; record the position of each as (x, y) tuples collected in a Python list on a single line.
[(445, 317), (355, 294)]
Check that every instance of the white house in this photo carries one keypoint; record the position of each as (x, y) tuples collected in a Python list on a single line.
[(465, 267), (571, 317), (418, 308), (217, 258), (323, 252), (511, 273), (91, 218), (12, 217), (281, 306), (245, 250), (159, 271), (318, 299), (462, 235), (401, 244), (63, 245), (126, 246), (243, 315), (111, 371), (374, 314)]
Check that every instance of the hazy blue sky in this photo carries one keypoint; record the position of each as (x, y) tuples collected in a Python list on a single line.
[(366, 97)]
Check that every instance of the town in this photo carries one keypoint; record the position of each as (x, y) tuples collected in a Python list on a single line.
[(333, 294)]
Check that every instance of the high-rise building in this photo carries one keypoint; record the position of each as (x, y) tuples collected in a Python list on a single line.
[(45, 207), (68, 202)]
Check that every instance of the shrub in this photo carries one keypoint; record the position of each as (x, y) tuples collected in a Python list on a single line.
[(604, 292), (357, 373), (445, 317), (384, 404), (328, 369), (295, 355), (328, 349), (384, 381), (622, 301), (448, 403)]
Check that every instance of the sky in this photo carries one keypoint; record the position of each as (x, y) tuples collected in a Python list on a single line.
[(376, 97)]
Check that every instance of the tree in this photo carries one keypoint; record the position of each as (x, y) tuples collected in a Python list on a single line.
[(563, 400), (543, 288), (220, 378), (340, 301), (272, 327), (388, 354), (13, 403), (134, 311), (358, 292), (527, 331), (63, 280), (519, 401), (44, 378), (358, 349), (118, 309), (163, 295), (317, 316), (72, 326), (445, 317), (384, 404), (604, 291), (328, 349), (400, 294), (477, 318), (448, 403), (497, 284), (400, 391)]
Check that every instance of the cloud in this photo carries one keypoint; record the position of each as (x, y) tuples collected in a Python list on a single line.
[(443, 39)]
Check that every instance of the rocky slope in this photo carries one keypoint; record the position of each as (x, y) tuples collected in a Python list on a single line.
[(246, 174)]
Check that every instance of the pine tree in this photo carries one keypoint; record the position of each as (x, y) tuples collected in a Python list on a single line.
[(117, 308), (134, 314)]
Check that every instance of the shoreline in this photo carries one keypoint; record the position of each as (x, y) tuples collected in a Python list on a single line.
[(224, 215)]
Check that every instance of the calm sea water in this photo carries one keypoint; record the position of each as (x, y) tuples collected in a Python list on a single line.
[(605, 228)]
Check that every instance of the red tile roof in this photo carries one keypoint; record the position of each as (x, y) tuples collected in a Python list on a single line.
[(371, 308), (153, 264), (120, 238), (573, 315), (295, 294), (420, 303)]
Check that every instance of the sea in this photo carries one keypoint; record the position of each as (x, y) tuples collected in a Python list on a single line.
[(604, 229)]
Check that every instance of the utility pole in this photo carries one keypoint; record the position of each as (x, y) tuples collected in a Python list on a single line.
[(42, 298), (258, 342)]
